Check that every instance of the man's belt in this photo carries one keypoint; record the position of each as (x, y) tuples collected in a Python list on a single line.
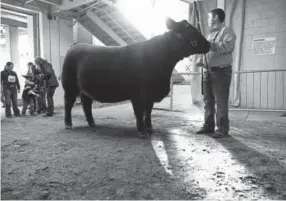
[(9, 85), (220, 67)]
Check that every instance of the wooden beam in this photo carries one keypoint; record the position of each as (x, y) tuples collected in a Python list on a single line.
[(29, 9), (14, 12), (14, 17), (104, 27), (190, 1), (68, 5), (50, 2), (13, 22)]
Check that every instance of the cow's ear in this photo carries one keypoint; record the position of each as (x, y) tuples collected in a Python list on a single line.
[(171, 24)]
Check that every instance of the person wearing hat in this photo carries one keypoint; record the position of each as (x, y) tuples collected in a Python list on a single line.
[(51, 82)]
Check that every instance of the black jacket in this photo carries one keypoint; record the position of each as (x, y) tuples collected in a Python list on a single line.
[(10, 78), (49, 75)]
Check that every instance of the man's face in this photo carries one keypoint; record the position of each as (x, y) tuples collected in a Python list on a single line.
[(211, 20)]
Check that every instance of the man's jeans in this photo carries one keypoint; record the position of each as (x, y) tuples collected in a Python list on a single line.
[(50, 95), (216, 86), (10, 93), (41, 102)]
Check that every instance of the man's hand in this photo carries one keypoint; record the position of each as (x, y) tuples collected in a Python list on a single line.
[(18, 90), (212, 47), (200, 63)]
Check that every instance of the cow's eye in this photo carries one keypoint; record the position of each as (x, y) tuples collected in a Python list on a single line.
[(194, 43)]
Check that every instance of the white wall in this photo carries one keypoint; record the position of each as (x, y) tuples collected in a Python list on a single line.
[(57, 37), (82, 34), (264, 18)]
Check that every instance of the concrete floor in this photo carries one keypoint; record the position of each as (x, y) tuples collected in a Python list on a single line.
[(41, 160)]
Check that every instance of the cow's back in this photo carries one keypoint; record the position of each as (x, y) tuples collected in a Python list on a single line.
[(76, 59), (111, 74)]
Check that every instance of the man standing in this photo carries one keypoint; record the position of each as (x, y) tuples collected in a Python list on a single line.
[(11, 87), (217, 74), (51, 83)]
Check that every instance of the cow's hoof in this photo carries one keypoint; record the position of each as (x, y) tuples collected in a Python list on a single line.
[(68, 127), (92, 125), (144, 135)]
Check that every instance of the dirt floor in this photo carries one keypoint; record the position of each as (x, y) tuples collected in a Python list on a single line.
[(42, 160)]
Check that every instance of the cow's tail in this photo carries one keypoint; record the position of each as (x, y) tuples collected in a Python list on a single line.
[(69, 72)]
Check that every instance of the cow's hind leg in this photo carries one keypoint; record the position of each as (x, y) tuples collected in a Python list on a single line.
[(148, 121), (139, 109), (69, 102), (87, 108)]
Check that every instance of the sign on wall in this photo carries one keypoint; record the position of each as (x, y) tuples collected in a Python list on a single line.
[(263, 46)]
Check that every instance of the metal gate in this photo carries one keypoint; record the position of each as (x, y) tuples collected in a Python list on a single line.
[(256, 90)]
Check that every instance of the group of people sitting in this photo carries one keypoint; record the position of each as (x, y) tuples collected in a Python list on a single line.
[(40, 84)]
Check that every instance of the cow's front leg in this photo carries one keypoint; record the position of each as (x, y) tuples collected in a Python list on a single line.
[(148, 121), (139, 109)]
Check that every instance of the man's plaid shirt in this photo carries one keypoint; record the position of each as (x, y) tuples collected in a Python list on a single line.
[(223, 39)]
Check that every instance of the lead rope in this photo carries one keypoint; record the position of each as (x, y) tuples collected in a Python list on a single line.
[(205, 56)]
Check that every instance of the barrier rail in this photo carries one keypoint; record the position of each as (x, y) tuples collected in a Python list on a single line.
[(261, 90)]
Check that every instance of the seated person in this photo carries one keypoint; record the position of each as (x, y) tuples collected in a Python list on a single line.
[(29, 96), (40, 89)]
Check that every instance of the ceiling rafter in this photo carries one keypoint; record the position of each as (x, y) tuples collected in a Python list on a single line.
[(106, 28)]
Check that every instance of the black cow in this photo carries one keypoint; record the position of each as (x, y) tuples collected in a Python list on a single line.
[(139, 72)]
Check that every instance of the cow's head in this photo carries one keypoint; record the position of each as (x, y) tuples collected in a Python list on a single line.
[(192, 41)]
